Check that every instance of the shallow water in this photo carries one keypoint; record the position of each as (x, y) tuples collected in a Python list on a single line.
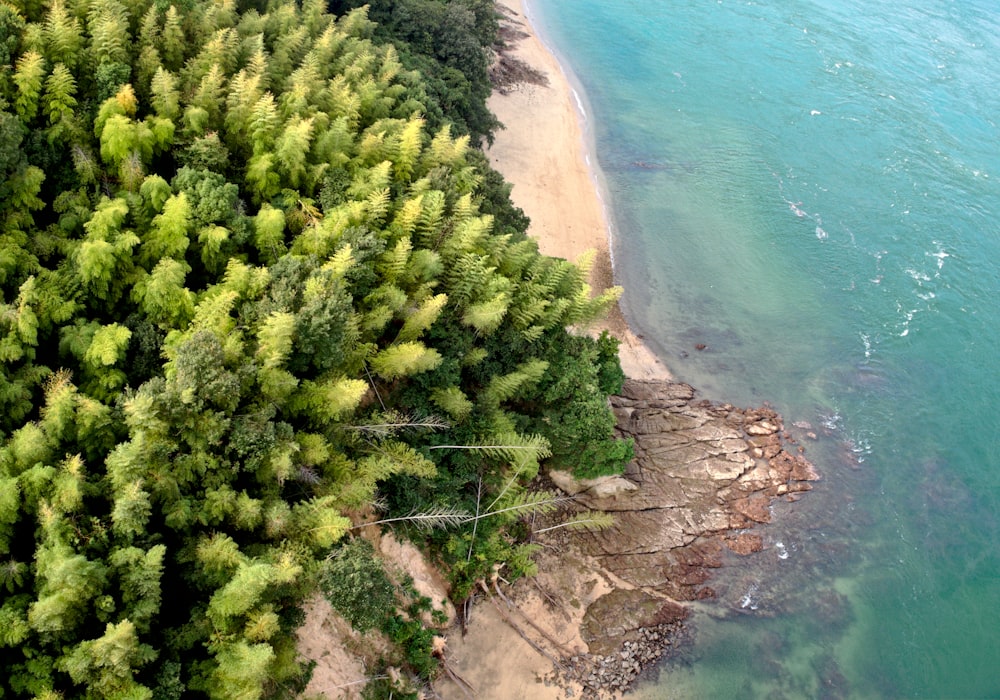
[(811, 190)]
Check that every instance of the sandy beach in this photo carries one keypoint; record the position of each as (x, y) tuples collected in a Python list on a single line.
[(542, 152)]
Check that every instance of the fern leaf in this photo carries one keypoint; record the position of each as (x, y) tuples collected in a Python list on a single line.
[(423, 318), (509, 446), (453, 401), (405, 359), (408, 149), (588, 520), (487, 316), (526, 503), (431, 218), (439, 517), (407, 216), (377, 203)]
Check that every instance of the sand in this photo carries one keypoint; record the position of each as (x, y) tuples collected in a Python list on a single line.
[(544, 154)]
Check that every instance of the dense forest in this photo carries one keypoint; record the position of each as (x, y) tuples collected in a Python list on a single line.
[(259, 286)]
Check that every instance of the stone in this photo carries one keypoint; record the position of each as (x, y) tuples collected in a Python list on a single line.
[(614, 615), (701, 470), (745, 543), (601, 487), (762, 428)]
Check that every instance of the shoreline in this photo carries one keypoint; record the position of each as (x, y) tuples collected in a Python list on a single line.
[(547, 152), (606, 605)]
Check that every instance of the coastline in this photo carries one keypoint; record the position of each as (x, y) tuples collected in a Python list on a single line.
[(606, 605), (546, 153)]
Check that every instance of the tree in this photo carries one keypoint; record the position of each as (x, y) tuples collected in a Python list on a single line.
[(254, 283)]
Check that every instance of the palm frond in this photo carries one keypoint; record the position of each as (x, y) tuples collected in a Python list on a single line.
[(440, 517), (392, 422), (588, 520)]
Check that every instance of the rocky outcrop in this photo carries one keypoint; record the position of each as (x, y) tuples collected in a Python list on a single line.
[(606, 604), (619, 614), (705, 473)]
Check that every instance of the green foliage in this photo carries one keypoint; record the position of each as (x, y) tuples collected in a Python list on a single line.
[(574, 413), (357, 586), (248, 269), (446, 40)]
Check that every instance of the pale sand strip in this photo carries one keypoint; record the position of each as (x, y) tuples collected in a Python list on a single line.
[(542, 153)]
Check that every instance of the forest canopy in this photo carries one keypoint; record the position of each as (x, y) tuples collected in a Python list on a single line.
[(254, 284)]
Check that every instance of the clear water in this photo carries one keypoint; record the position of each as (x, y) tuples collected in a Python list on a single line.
[(811, 189)]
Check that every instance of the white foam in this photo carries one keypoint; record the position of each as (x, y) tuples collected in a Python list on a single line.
[(831, 421), (941, 255), (579, 103), (748, 602), (860, 447)]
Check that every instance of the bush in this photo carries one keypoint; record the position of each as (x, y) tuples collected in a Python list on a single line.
[(357, 586)]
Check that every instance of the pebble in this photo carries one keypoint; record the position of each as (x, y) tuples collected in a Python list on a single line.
[(603, 675)]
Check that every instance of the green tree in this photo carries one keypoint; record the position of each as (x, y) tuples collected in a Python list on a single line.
[(253, 283)]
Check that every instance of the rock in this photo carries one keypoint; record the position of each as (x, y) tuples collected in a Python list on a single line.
[(762, 428), (701, 469), (601, 487), (757, 508), (613, 616), (745, 543), (804, 471)]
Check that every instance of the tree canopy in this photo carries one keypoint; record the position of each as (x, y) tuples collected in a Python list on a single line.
[(247, 292)]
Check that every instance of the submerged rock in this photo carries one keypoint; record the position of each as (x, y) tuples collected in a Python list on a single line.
[(612, 619)]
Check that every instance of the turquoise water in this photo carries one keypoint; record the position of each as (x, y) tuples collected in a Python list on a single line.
[(811, 190)]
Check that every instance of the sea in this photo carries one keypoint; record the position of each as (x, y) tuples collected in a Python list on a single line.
[(804, 197)]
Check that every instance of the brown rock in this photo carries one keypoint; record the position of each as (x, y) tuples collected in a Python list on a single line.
[(703, 470), (804, 470), (764, 427), (757, 508), (745, 543)]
